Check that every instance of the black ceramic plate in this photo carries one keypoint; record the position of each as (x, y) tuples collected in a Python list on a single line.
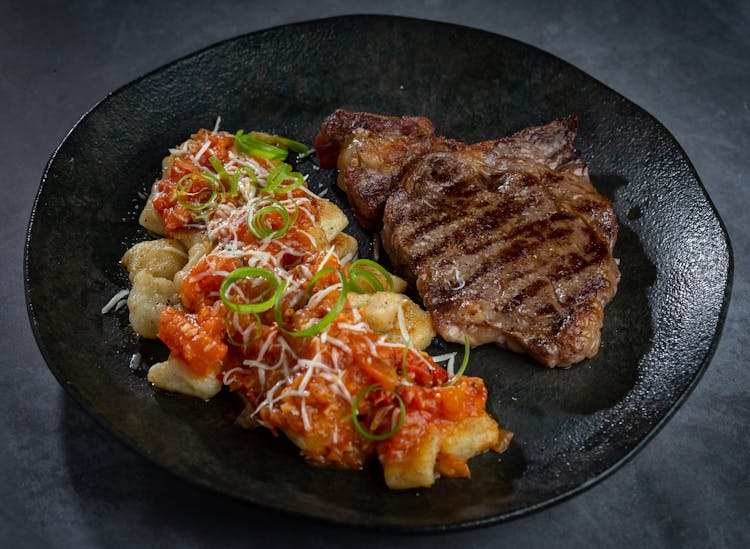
[(572, 427)]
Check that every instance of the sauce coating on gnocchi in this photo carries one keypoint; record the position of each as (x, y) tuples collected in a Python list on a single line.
[(253, 287)]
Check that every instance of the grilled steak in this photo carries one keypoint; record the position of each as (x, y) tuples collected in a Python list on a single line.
[(373, 152), (506, 241)]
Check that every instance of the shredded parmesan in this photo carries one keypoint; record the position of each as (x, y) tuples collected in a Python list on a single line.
[(460, 282), (402, 323), (136, 362), (177, 251), (115, 301), (451, 361), (200, 152), (291, 384)]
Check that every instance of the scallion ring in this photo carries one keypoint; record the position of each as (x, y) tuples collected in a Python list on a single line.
[(279, 175), (221, 171), (232, 181), (297, 180), (375, 285), (249, 272), (246, 143), (355, 412), (257, 217), (247, 171), (275, 177), (324, 322), (361, 269), (184, 191), (464, 362), (282, 141), (314, 280)]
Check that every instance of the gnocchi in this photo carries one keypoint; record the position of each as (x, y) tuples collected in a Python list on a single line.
[(250, 289)]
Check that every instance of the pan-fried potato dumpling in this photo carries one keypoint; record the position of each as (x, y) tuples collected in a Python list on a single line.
[(345, 247), (470, 437), (399, 284), (427, 447), (197, 289), (416, 467), (195, 254), (174, 375), (161, 258), (382, 314), (150, 218), (189, 237), (332, 219), (166, 165), (437, 452), (148, 297)]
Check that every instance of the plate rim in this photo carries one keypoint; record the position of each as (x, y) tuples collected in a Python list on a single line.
[(92, 411)]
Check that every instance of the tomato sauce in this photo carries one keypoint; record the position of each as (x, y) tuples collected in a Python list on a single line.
[(303, 386)]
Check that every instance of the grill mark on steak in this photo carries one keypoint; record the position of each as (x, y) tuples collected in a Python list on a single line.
[(513, 251), (527, 292), (474, 226), (438, 222), (488, 220), (505, 240)]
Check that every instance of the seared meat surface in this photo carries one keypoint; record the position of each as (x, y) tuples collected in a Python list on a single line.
[(371, 152), (506, 241)]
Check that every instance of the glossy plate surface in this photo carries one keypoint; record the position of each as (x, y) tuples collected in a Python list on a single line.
[(572, 427)]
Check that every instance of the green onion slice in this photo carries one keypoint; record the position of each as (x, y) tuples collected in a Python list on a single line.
[(355, 412), (314, 280), (248, 144), (281, 141), (324, 322), (249, 172), (279, 175), (223, 175), (184, 193), (232, 181), (297, 180), (361, 270), (257, 216), (464, 362), (249, 272)]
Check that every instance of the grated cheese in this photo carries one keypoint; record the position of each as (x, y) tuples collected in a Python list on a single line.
[(200, 152), (279, 374), (116, 299), (402, 323)]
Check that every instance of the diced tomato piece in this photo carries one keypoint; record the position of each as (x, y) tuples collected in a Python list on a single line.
[(219, 146), (201, 286), (213, 320), (193, 343), (466, 398), (420, 372), (174, 215), (406, 442), (181, 166), (378, 371), (450, 401)]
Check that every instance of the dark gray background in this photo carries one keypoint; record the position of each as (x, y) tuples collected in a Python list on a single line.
[(66, 482)]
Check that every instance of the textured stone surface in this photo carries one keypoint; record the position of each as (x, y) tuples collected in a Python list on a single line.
[(68, 482)]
